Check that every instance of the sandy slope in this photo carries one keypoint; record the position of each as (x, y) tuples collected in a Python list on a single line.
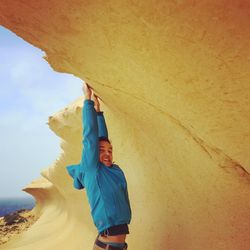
[(174, 78), (9, 232)]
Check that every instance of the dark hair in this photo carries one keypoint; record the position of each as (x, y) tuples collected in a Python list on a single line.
[(103, 138)]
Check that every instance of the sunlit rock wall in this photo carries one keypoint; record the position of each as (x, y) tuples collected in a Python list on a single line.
[(174, 77)]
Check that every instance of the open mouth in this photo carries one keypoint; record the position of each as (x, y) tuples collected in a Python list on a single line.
[(106, 161)]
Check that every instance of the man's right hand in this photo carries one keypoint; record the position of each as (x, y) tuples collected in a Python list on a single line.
[(97, 103), (87, 91)]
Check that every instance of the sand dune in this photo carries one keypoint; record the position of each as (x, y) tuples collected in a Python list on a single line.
[(174, 79)]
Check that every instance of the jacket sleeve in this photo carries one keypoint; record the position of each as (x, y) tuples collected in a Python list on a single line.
[(90, 154), (75, 172), (102, 128)]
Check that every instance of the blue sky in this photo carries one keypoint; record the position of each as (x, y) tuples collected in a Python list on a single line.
[(30, 91)]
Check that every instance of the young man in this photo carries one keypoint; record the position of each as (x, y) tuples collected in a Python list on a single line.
[(104, 181)]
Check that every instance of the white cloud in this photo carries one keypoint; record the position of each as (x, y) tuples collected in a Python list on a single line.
[(30, 91)]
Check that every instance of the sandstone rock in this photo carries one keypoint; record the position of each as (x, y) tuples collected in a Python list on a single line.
[(174, 78)]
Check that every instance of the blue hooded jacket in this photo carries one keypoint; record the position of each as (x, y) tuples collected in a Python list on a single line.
[(106, 187)]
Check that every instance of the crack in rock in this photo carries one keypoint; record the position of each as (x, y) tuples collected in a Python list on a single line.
[(217, 155)]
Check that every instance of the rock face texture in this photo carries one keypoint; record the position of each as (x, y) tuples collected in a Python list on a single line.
[(175, 81)]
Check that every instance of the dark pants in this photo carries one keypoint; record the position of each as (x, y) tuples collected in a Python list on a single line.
[(99, 248), (107, 247)]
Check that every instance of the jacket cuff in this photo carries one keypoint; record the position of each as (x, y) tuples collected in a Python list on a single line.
[(100, 113), (87, 101)]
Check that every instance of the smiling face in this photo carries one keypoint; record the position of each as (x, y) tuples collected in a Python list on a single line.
[(105, 153)]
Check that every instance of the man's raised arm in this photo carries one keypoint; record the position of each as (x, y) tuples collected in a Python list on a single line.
[(90, 155), (102, 128)]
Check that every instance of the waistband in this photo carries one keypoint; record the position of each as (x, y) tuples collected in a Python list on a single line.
[(115, 230), (109, 247)]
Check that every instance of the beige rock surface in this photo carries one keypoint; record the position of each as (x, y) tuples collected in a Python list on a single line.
[(174, 77)]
